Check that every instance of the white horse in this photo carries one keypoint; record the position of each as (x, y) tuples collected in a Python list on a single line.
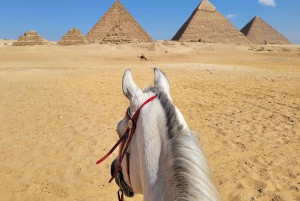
[(162, 158)]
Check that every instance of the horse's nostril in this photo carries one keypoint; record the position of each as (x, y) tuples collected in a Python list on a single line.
[(128, 191), (113, 167)]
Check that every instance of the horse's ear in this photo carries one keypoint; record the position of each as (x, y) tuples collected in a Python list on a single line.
[(130, 89), (161, 80)]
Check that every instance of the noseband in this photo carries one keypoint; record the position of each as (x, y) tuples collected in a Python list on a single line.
[(127, 136)]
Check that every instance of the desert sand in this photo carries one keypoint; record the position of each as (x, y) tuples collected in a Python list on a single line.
[(59, 107)]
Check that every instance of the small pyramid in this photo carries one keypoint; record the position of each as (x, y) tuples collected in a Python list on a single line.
[(73, 37), (30, 38), (117, 26), (207, 25), (260, 32)]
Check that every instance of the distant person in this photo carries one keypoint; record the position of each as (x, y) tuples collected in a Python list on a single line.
[(142, 57)]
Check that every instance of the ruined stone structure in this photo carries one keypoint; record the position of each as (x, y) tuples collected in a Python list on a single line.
[(207, 25), (73, 37), (30, 38), (117, 26), (260, 32)]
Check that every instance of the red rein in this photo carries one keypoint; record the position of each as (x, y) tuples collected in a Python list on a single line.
[(131, 127)]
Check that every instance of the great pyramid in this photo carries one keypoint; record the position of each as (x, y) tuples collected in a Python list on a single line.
[(117, 26), (73, 37), (30, 38), (260, 32), (207, 25)]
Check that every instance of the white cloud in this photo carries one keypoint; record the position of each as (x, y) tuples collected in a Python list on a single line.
[(230, 16), (267, 2)]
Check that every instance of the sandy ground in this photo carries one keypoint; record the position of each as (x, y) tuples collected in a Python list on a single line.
[(6, 42), (59, 107)]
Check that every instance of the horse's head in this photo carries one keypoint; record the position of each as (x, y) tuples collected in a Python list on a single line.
[(159, 156), (126, 129)]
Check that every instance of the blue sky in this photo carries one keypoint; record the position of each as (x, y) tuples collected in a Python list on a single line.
[(160, 18)]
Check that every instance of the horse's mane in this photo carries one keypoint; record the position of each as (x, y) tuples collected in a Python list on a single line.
[(188, 170)]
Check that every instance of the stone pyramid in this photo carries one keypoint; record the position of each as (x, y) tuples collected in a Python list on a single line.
[(207, 25), (259, 32), (73, 37), (117, 26), (30, 38)]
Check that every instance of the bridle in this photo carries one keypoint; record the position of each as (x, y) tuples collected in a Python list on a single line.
[(125, 140)]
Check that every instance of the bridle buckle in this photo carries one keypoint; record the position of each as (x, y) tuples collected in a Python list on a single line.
[(130, 124)]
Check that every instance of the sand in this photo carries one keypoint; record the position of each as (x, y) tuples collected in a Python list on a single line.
[(6, 42), (59, 107)]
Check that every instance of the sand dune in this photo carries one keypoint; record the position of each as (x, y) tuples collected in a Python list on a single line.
[(60, 106)]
